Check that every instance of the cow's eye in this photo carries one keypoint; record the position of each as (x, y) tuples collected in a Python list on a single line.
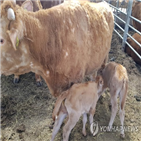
[(1, 41)]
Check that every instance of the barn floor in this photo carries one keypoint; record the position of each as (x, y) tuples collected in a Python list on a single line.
[(26, 109)]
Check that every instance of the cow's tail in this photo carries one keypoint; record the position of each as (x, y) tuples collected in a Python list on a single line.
[(58, 104)]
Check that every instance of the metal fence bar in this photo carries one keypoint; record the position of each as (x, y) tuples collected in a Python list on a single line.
[(134, 29), (133, 50), (119, 26), (129, 10), (118, 33), (120, 19), (135, 19), (134, 40), (117, 10)]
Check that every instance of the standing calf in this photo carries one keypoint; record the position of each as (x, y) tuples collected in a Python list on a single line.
[(116, 79), (79, 100)]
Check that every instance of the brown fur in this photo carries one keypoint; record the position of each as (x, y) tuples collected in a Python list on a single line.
[(79, 100), (129, 51), (116, 79), (136, 12), (36, 7), (70, 41)]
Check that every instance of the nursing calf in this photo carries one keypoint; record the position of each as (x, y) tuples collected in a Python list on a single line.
[(79, 100), (116, 79)]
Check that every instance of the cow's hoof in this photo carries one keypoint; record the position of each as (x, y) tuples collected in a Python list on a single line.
[(39, 83), (16, 80), (51, 125), (122, 136)]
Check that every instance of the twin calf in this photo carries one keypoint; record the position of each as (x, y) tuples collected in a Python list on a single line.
[(82, 98)]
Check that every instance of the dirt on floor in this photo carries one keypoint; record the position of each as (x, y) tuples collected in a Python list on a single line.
[(26, 110)]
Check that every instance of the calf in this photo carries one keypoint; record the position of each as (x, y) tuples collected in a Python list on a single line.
[(79, 100), (116, 79), (129, 51)]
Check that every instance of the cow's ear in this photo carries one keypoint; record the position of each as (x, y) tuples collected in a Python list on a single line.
[(28, 5), (13, 38)]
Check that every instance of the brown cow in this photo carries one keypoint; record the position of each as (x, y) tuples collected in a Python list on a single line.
[(136, 12), (36, 7), (129, 51), (116, 79), (79, 100), (62, 44)]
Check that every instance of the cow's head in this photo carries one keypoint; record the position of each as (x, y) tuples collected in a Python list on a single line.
[(14, 47)]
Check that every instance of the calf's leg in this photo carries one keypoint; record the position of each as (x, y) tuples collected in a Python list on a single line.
[(123, 94), (84, 124), (58, 123), (73, 119), (114, 104)]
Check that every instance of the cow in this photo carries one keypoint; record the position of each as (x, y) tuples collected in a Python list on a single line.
[(36, 7), (136, 12), (136, 47), (115, 78), (79, 100), (62, 44)]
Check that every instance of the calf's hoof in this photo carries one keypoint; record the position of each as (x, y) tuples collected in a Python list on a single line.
[(16, 80), (122, 136), (84, 133)]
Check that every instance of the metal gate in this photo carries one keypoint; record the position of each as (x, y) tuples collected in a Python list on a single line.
[(122, 14)]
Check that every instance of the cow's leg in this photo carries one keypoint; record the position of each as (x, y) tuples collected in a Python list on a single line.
[(73, 119), (114, 95), (58, 123), (84, 124), (16, 78), (38, 80)]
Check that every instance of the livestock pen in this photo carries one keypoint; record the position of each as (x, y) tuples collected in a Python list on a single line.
[(26, 110), (123, 21)]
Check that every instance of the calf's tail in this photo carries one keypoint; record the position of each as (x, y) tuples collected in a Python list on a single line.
[(58, 103)]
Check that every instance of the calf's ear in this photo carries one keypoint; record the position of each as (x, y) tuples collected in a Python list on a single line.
[(28, 5), (13, 35)]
